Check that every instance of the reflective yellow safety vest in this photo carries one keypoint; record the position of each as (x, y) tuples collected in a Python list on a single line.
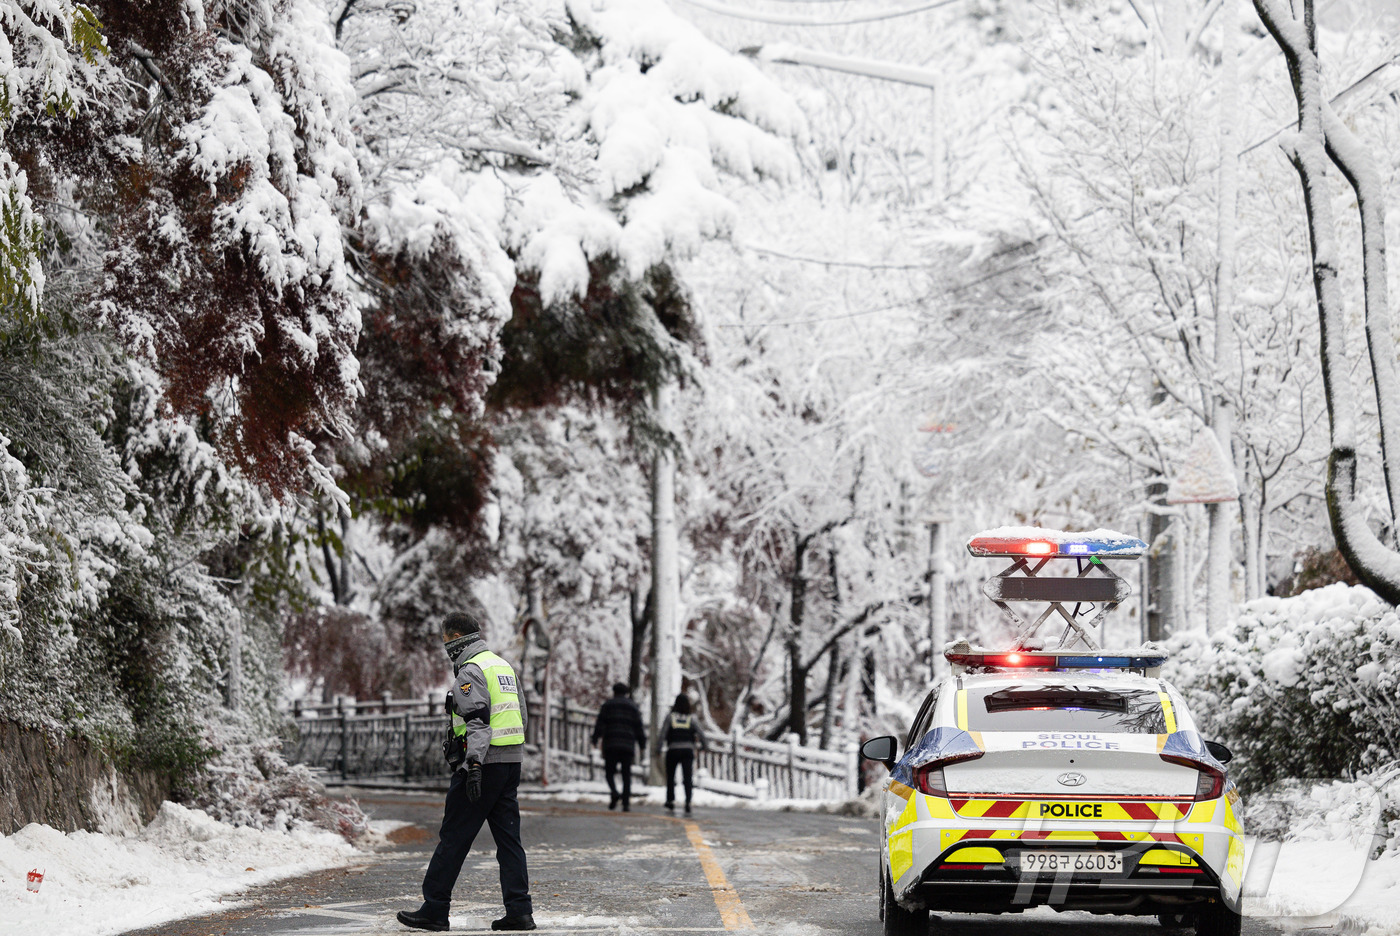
[(507, 727)]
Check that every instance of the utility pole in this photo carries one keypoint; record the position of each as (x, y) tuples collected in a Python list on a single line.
[(937, 598), (535, 633), (665, 580)]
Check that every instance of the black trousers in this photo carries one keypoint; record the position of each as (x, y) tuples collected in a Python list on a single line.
[(619, 760), (461, 821), (685, 759)]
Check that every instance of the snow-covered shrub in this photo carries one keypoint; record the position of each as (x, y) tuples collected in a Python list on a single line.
[(250, 784), (1298, 687)]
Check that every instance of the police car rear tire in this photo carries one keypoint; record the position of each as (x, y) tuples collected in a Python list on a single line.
[(898, 921), (1217, 919)]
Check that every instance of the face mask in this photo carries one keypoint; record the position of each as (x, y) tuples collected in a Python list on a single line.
[(456, 646)]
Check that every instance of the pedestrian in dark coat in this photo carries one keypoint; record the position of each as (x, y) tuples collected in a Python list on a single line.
[(619, 732), (683, 737), (484, 749)]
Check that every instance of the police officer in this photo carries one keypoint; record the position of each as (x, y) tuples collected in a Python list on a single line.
[(682, 737), (485, 749)]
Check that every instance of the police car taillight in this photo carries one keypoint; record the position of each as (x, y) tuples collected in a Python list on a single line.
[(1210, 781), (929, 777)]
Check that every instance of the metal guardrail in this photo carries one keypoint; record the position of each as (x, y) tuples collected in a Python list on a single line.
[(400, 739)]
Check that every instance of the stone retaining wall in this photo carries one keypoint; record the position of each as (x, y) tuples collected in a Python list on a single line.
[(70, 785)]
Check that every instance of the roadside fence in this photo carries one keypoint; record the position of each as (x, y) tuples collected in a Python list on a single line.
[(399, 740)]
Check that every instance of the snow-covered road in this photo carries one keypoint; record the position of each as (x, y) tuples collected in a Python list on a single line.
[(594, 871)]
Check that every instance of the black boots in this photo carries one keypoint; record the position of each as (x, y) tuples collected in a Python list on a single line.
[(418, 920), (612, 803), (523, 922)]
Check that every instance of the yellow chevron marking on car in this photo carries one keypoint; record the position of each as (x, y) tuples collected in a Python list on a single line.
[(1167, 711), (907, 817), (1194, 841), (1204, 812), (962, 709), (1161, 856), (938, 807), (976, 856), (900, 790), (901, 854), (1161, 743), (1231, 821), (1137, 811), (1234, 860)]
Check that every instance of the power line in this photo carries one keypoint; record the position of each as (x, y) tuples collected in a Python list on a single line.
[(790, 19), (827, 261), (1336, 101), (813, 321)]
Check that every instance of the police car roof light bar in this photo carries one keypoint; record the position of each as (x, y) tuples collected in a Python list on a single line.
[(1051, 660), (1018, 542)]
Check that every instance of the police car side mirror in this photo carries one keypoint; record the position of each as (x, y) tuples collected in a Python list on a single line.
[(1219, 751), (882, 749)]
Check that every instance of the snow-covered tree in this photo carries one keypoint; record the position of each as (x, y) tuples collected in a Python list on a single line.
[(1322, 137), (48, 61)]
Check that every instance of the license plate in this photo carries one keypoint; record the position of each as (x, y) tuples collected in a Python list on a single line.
[(1033, 862)]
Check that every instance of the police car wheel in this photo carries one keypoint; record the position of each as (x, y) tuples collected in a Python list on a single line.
[(1217, 919), (898, 921)]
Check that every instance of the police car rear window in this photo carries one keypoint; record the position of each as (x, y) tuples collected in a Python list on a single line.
[(1065, 708)]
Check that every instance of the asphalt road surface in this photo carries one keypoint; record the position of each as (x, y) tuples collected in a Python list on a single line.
[(643, 872)]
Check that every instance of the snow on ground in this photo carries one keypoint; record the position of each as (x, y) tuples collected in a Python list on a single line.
[(1311, 863), (180, 865)]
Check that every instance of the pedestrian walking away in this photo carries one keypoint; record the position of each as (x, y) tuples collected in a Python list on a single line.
[(682, 737), (619, 732), (484, 746)]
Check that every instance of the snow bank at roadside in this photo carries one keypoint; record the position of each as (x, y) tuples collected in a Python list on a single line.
[(182, 864), (1323, 854)]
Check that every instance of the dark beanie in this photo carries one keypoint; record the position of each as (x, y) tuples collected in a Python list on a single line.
[(621, 689)]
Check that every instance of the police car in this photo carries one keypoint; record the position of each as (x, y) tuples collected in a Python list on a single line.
[(1074, 778)]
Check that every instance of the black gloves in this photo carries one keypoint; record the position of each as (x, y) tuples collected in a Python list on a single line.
[(474, 782)]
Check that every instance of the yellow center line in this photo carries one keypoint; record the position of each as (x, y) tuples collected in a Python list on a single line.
[(731, 908)]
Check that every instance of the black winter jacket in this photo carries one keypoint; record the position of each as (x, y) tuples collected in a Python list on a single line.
[(619, 726), (683, 732)]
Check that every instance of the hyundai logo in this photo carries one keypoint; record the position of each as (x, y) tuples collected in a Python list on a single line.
[(1070, 779)]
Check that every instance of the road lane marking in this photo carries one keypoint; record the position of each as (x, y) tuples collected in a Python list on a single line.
[(731, 908)]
